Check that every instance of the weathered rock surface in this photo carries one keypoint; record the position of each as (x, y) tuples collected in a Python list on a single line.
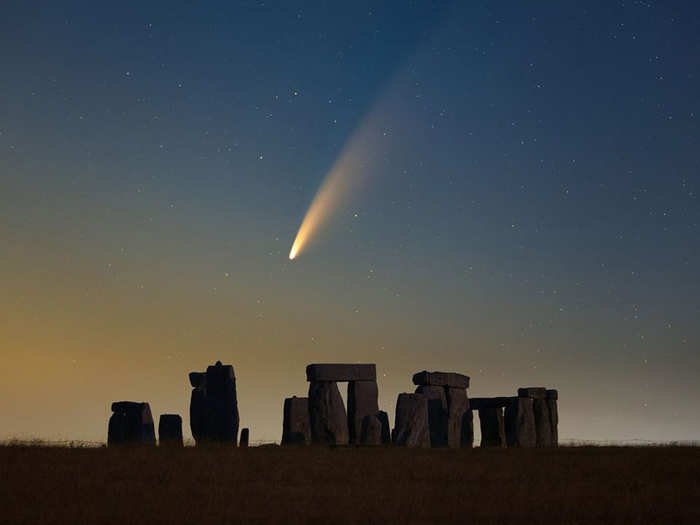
[(245, 437), (386, 430), (492, 427), (553, 420), (520, 423), (214, 405), (296, 428), (411, 423), (131, 423), (170, 430), (329, 423), (362, 402), (543, 428), (437, 414), (534, 392), (371, 433), (457, 408), (448, 379), (341, 372)]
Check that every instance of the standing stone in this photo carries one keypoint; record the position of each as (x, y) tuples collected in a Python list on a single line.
[(362, 402), (467, 436), (437, 414), (170, 430), (543, 428), (457, 411), (411, 423), (371, 434), (329, 423), (245, 436), (520, 423), (386, 431), (214, 405), (552, 396), (198, 414), (131, 423), (296, 429), (492, 428)]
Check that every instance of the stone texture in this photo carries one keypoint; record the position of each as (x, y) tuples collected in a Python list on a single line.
[(296, 428), (341, 372), (553, 420), (131, 423), (437, 414), (476, 403), (411, 423), (371, 432), (534, 392), (448, 379), (170, 430), (214, 405), (329, 423), (552, 394), (457, 408), (362, 402), (386, 430), (467, 437), (492, 427), (245, 437), (543, 429), (520, 423)]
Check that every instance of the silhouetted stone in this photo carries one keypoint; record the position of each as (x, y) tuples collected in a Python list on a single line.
[(329, 423), (553, 416), (476, 403), (371, 433), (437, 414), (245, 436), (536, 392), (552, 394), (131, 423), (386, 430), (448, 379), (492, 427), (520, 423), (543, 429), (170, 430), (411, 423), (341, 372), (296, 428), (467, 437), (214, 405), (457, 408), (362, 401)]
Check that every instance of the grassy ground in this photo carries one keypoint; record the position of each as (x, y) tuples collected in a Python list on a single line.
[(271, 484)]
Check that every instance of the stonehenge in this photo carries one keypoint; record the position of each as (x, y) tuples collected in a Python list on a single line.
[(170, 430), (131, 423), (214, 405), (411, 423), (327, 417), (296, 428)]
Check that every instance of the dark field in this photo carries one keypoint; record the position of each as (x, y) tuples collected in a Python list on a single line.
[(271, 484)]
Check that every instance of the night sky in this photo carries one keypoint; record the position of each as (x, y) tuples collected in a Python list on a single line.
[(521, 205)]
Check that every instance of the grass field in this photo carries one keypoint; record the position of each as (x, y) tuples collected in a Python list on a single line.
[(40, 484)]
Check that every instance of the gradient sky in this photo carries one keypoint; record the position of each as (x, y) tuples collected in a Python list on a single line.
[(528, 212)]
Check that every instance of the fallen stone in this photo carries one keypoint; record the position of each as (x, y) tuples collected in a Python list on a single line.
[(362, 401), (329, 423), (437, 414), (371, 433), (492, 427), (533, 392), (457, 408), (386, 430), (476, 403), (411, 423), (543, 429), (341, 372), (449, 379), (520, 423), (245, 436), (131, 423), (296, 428), (170, 430)]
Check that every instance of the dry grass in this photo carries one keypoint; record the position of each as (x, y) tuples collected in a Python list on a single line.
[(40, 484)]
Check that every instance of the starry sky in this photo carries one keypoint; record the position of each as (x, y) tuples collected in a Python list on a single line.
[(524, 208)]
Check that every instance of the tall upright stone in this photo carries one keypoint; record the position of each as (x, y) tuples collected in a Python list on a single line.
[(411, 424), (457, 412), (214, 405), (131, 423), (245, 438), (467, 436), (296, 428), (437, 413), (520, 423), (371, 432), (543, 427), (492, 427), (552, 397), (170, 430), (329, 423), (386, 430), (362, 402)]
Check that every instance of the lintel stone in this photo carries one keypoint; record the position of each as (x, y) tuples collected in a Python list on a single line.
[(449, 379)]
